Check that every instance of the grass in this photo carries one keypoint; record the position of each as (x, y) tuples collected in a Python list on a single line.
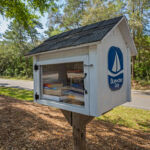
[(129, 117), (20, 94), (125, 116)]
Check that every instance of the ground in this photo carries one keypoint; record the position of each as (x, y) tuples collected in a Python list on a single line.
[(30, 126)]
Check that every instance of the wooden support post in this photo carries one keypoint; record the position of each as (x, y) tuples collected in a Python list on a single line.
[(78, 123)]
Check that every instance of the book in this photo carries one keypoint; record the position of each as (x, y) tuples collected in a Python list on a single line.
[(73, 95), (56, 98), (57, 92), (53, 85), (74, 75), (77, 89)]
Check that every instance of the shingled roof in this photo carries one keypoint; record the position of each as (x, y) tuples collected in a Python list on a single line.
[(86, 34)]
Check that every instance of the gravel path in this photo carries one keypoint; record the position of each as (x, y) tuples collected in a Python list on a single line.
[(140, 99)]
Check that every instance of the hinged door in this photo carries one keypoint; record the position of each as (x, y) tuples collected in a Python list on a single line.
[(64, 83)]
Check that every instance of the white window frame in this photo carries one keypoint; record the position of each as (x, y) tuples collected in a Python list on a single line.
[(70, 107)]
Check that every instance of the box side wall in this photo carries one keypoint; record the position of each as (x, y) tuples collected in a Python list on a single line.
[(108, 99)]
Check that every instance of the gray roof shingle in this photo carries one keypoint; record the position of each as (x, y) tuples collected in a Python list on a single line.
[(86, 34)]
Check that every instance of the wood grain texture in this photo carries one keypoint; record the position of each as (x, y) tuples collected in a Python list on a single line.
[(78, 123)]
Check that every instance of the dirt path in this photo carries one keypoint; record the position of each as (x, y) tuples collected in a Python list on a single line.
[(29, 126)]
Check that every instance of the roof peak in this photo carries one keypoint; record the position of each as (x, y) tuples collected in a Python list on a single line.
[(82, 27)]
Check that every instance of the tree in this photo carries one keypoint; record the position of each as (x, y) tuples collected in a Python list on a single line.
[(68, 16), (142, 62), (138, 13), (54, 21), (17, 41), (73, 12), (23, 11), (20, 38), (22, 35), (98, 10)]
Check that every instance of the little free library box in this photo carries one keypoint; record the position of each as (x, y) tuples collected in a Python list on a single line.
[(85, 70)]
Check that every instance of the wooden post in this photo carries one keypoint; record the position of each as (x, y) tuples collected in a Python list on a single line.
[(78, 123)]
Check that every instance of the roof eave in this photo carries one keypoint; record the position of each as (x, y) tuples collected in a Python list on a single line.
[(125, 30)]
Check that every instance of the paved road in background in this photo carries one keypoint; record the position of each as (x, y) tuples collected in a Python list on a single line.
[(140, 99), (22, 84)]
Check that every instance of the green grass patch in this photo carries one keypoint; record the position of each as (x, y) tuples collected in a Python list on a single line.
[(129, 117), (20, 94)]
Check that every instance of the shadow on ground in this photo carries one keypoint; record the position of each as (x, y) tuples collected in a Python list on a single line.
[(25, 125)]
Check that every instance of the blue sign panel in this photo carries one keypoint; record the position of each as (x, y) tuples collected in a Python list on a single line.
[(115, 68)]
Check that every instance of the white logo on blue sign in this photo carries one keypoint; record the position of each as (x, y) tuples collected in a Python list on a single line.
[(115, 67)]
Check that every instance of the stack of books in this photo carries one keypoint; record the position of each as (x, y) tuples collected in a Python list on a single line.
[(57, 92), (74, 93), (53, 89)]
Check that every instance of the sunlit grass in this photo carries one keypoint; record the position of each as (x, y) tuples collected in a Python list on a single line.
[(129, 117), (17, 93)]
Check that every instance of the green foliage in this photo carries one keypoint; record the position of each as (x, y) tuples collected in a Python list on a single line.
[(138, 12), (142, 61), (68, 16), (23, 11), (17, 42), (73, 13), (129, 117), (20, 94), (102, 10), (53, 31), (142, 67), (21, 36)]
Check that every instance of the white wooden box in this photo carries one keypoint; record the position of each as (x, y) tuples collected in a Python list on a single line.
[(106, 64)]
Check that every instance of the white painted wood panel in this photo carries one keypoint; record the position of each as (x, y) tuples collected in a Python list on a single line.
[(93, 87), (64, 54), (108, 98)]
